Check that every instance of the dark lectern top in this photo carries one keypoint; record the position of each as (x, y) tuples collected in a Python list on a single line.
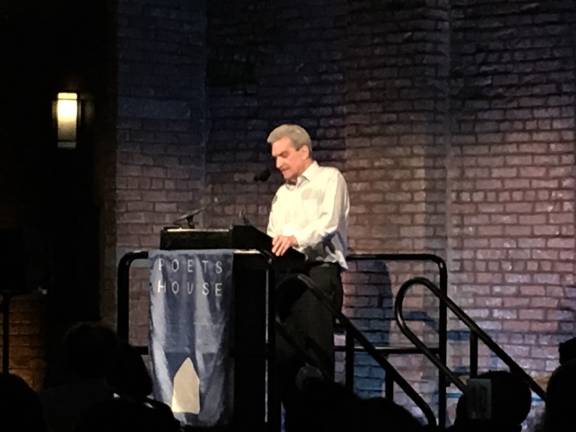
[(236, 237)]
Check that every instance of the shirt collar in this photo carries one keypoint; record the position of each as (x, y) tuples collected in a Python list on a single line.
[(311, 171), (306, 176)]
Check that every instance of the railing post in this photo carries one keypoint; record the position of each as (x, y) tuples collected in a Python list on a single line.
[(442, 343), (123, 293), (389, 387), (349, 359), (473, 355)]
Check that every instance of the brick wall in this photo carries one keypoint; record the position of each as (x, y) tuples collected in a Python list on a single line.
[(512, 174), (453, 124), (27, 356), (357, 86), (396, 110), (160, 134), (452, 121), (269, 64)]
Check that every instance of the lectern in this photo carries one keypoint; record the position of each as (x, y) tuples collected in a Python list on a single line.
[(255, 402)]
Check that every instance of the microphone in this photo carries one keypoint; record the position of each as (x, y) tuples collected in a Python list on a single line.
[(189, 217), (263, 175)]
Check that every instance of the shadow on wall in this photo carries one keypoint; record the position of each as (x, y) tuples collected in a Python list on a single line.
[(369, 304), (370, 287)]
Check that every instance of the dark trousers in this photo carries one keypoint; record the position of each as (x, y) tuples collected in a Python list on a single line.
[(308, 325)]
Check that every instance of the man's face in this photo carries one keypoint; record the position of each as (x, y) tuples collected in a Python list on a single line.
[(289, 161)]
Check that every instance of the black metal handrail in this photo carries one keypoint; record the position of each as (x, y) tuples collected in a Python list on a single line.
[(123, 292), (476, 333), (392, 374), (442, 315)]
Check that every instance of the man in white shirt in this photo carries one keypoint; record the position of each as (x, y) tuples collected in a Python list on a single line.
[(310, 214)]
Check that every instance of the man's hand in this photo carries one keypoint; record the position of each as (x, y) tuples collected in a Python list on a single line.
[(280, 244)]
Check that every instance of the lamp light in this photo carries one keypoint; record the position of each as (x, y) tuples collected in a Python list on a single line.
[(67, 112)]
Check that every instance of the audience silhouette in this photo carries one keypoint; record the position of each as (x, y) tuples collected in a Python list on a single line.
[(560, 403), (326, 406), (380, 413), (129, 375), (322, 405), (88, 353), (102, 378), (20, 408), (123, 414), (106, 386), (503, 406), (567, 350)]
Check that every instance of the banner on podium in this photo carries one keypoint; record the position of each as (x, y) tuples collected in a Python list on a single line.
[(191, 294)]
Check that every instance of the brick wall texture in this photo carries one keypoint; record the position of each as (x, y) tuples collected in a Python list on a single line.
[(452, 121), (161, 105)]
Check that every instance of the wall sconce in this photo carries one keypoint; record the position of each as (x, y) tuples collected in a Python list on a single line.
[(67, 114)]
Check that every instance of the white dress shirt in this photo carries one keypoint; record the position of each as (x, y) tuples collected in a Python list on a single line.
[(315, 211)]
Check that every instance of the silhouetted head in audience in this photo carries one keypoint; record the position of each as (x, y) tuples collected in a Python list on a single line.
[(93, 350), (323, 406), (20, 408), (498, 401), (90, 350), (126, 415), (386, 415), (567, 350), (129, 375), (560, 400), (97, 365)]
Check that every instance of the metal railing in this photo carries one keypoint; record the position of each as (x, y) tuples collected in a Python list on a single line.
[(378, 352), (476, 333), (436, 354), (123, 292), (355, 335), (356, 341)]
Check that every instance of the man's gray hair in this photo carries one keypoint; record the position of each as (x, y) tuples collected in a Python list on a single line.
[(297, 135)]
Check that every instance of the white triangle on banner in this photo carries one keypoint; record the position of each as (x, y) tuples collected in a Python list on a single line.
[(186, 393)]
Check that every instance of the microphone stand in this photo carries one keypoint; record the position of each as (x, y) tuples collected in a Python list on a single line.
[(261, 177)]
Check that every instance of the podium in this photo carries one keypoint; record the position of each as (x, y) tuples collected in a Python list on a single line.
[(255, 402), (240, 237)]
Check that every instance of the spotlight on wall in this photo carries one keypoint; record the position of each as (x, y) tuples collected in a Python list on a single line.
[(67, 114)]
